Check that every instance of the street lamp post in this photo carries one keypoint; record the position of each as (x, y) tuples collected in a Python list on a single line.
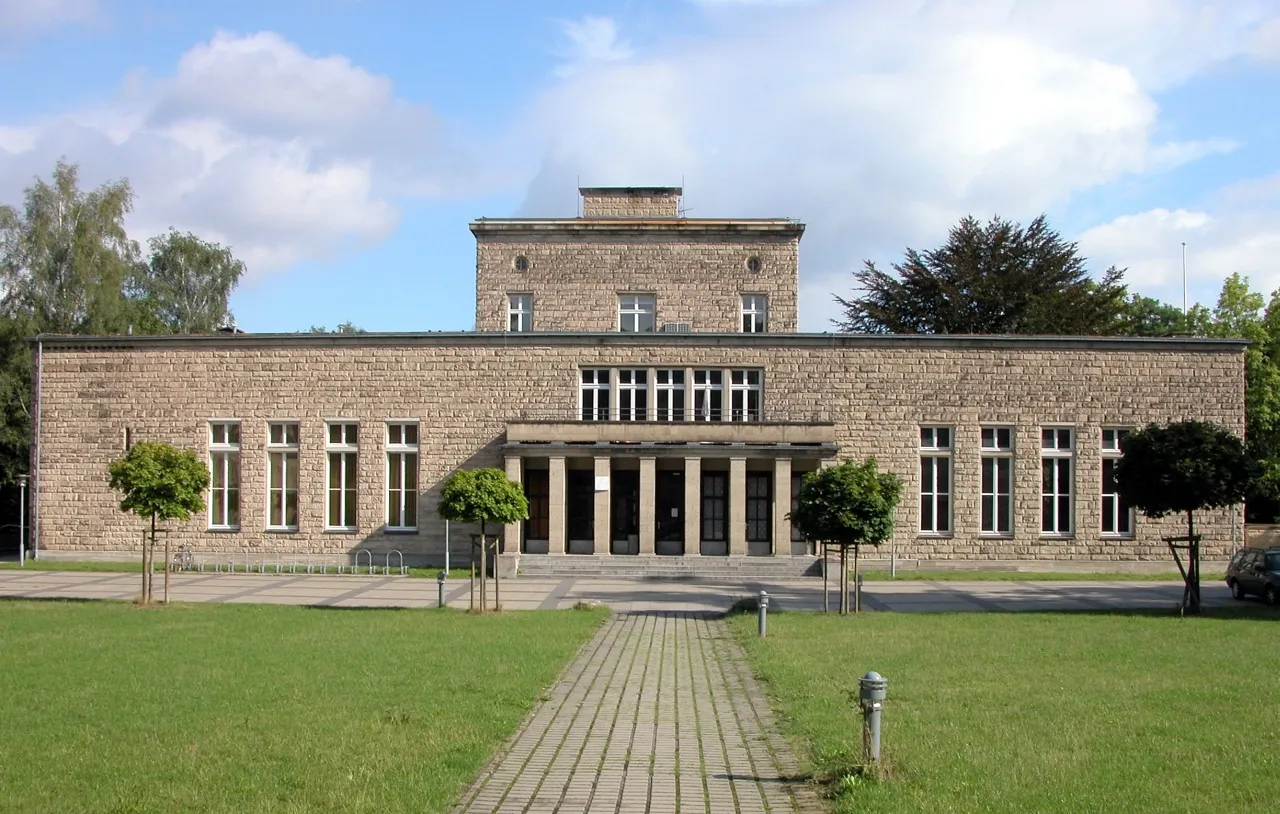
[(22, 521)]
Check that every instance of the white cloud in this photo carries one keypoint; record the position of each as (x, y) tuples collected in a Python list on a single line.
[(880, 123), (255, 143), (1238, 232), (591, 41), (24, 18)]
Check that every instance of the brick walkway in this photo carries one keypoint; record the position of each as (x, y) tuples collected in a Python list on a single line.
[(659, 713)]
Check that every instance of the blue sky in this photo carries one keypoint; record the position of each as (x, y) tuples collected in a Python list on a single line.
[(341, 146)]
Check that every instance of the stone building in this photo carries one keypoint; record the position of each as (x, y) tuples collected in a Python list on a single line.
[(640, 374)]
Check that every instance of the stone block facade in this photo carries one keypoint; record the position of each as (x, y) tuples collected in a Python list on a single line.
[(630, 202), (463, 389), (576, 269)]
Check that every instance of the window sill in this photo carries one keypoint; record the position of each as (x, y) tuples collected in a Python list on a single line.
[(935, 535), (1115, 535), (1052, 535), (223, 529), (391, 530), (341, 530), (996, 535), (281, 529)]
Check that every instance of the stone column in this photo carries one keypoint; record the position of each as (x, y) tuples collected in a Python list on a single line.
[(557, 537), (511, 536), (781, 507), (737, 507), (600, 524), (648, 504), (692, 507)]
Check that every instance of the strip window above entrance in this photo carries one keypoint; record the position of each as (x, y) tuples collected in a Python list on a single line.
[(671, 394)]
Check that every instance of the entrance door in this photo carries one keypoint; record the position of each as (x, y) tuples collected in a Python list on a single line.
[(625, 514), (669, 513)]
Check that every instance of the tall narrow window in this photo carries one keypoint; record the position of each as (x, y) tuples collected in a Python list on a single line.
[(402, 475), (636, 313), (1117, 515), (341, 448), (708, 395), (593, 395), (519, 313), (1057, 445), (670, 395), (997, 481), (633, 395), (715, 506), (759, 507), (224, 475), (282, 475), (745, 389), (754, 313), (935, 480)]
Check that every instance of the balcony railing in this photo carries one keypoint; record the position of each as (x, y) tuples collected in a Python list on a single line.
[(687, 416)]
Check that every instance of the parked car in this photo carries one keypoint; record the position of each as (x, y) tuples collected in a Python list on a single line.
[(1255, 571)]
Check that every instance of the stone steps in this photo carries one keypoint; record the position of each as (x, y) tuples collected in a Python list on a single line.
[(667, 568)]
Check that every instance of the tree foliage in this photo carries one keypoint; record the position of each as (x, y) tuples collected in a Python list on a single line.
[(343, 328), (993, 278), (851, 504), (65, 257), (159, 481), (186, 283), (482, 496), (1182, 467), (1147, 316)]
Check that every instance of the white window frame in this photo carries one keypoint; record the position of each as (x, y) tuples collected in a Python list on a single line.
[(937, 443), (1054, 450), (346, 447), (632, 311), (519, 313), (996, 447), (669, 384), (1112, 505), (633, 394), (398, 452), (594, 393), (288, 451), (712, 381), (224, 453), (746, 386), (755, 313)]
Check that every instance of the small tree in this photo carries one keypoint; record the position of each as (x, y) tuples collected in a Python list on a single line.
[(483, 496), (1183, 466), (162, 482), (850, 505)]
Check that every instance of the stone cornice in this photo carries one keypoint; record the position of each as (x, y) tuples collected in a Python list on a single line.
[(651, 340), (551, 226)]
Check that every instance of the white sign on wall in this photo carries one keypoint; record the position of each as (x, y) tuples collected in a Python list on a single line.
[(602, 483)]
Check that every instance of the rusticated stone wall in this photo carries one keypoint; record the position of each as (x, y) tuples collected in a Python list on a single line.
[(463, 388), (697, 275)]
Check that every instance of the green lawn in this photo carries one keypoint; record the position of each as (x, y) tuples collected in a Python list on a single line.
[(109, 707), (1036, 712)]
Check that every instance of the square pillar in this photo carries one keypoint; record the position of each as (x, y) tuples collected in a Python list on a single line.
[(781, 507), (737, 507), (692, 506), (558, 542), (648, 503), (600, 523), (511, 536)]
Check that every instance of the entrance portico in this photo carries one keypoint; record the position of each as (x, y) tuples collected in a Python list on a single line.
[(661, 489)]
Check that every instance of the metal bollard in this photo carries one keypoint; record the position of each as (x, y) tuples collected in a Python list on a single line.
[(872, 689), (440, 578), (763, 613)]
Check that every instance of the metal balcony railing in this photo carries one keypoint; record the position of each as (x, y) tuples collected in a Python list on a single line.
[(673, 416)]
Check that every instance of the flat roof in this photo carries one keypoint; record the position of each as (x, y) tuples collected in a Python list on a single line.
[(664, 191), (616, 339)]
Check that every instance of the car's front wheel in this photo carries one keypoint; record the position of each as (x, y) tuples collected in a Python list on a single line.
[(1236, 591), (1270, 595)]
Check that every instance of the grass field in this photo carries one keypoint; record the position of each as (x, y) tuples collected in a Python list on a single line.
[(109, 707), (1036, 712)]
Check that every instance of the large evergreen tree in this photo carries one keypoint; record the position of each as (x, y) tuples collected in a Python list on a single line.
[(992, 278)]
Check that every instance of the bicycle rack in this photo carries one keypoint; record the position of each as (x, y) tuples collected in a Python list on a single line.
[(356, 568), (386, 569)]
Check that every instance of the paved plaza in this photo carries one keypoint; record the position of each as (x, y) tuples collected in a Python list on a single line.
[(621, 595)]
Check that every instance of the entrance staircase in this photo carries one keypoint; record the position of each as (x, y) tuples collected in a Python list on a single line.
[(710, 568)]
